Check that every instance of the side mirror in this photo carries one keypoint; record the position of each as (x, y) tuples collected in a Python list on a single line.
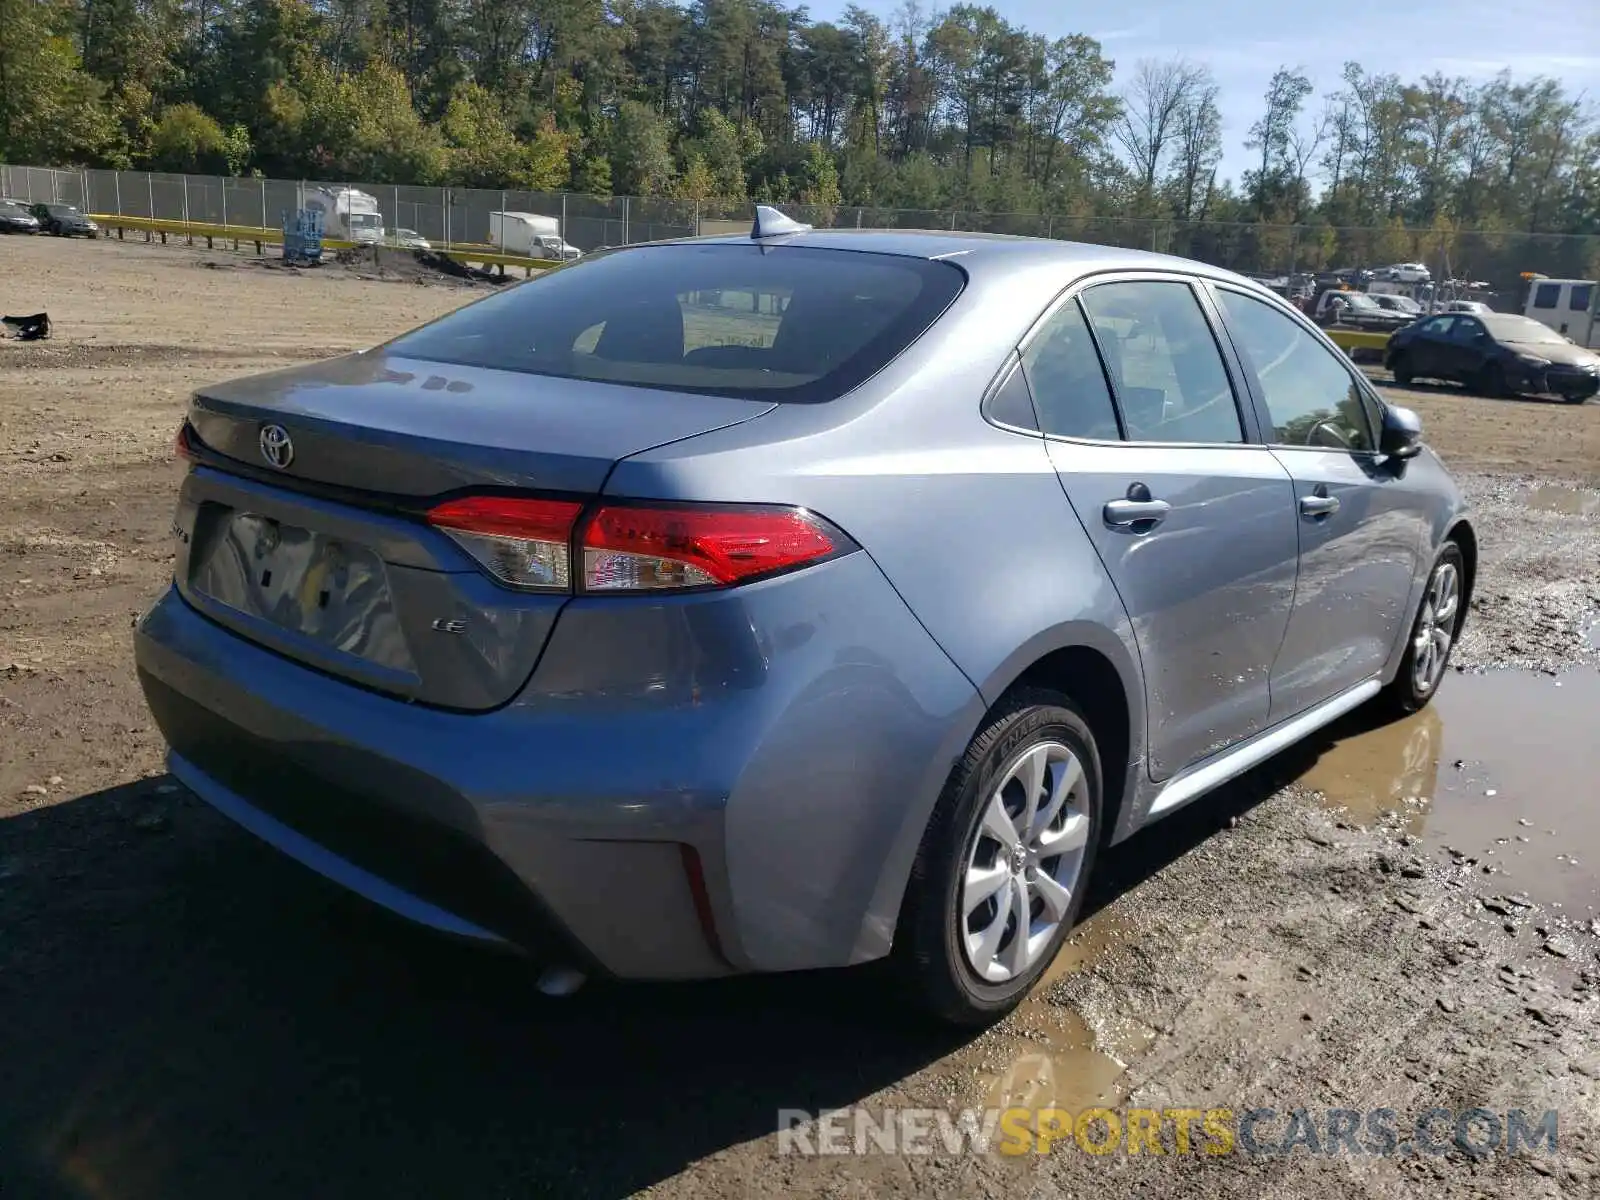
[(1401, 436)]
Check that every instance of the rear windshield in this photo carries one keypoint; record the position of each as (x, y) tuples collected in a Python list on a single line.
[(788, 323)]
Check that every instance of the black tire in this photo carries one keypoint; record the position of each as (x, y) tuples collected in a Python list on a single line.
[(1490, 381), (933, 964), (1404, 695), (1402, 369), (1576, 399)]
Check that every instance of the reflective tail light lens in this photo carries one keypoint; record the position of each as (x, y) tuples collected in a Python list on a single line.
[(635, 548), (523, 543), (528, 543), (181, 445)]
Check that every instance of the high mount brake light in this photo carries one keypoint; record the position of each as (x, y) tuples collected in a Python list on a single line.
[(527, 543)]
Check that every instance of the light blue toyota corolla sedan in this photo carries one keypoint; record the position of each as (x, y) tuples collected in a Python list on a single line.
[(793, 600)]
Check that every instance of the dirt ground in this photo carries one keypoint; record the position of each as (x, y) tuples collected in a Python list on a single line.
[(1394, 916)]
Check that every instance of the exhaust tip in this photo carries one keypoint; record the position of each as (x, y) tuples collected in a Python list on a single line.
[(560, 981)]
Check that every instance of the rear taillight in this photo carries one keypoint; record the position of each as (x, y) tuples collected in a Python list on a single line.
[(528, 543), (628, 548), (181, 445), (524, 543)]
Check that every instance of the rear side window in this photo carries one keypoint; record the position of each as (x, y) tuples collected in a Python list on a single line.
[(1068, 384), (1164, 361), (787, 323), (1582, 293)]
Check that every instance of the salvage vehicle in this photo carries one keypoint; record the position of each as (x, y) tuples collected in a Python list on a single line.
[(791, 600), (15, 218), (1355, 310), (63, 220), (1494, 354), (1403, 305)]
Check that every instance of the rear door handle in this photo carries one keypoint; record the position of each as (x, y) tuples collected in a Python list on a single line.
[(1319, 504), (1136, 512)]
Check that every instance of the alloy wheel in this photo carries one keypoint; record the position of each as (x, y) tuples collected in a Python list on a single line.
[(1024, 862), (1436, 628)]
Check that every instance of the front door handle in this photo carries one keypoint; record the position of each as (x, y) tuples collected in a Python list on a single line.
[(1319, 503), (1136, 512)]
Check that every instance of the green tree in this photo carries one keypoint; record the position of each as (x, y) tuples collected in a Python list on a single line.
[(641, 151), (187, 138), (51, 111)]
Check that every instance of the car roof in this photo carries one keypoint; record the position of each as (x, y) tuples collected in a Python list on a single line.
[(985, 253)]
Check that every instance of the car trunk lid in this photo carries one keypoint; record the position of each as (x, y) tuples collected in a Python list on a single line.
[(301, 528)]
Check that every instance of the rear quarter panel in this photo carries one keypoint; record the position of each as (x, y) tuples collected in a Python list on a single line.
[(967, 521)]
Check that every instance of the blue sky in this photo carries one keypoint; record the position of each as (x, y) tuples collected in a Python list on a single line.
[(1244, 41)]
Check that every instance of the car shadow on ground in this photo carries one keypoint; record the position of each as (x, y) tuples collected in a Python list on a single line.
[(184, 1013), (1434, 387)]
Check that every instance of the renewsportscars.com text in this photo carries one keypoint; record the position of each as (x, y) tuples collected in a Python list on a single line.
[(1206, 1131)]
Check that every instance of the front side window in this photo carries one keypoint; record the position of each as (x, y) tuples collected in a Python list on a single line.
[(1069, 386), (786, 323), (1437, 326), (1547, 295), (1311, 397), (1164, 362), (1466, 331)]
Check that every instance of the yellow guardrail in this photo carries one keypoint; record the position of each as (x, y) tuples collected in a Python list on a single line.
[(261, 236), (1358, 341)]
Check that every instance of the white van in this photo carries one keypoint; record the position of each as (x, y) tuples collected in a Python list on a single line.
[(1569, 306)]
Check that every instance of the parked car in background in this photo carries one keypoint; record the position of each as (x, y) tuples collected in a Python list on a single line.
[(1355, 310), (1465, 306), (15, 218), (63, 220), (1403, 305), (408, 239), (791, 600), (1405, 273), (1495, 354)]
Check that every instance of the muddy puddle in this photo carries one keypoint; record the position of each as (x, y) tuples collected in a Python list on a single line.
[(1503, 767), (1047, 1055), (1568, 501)]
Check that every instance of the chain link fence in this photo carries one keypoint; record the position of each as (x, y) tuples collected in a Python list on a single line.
[(449, 217)]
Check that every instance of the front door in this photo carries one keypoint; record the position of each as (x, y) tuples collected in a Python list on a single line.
[(1195, 526), (1467, 350), (1360, 530)]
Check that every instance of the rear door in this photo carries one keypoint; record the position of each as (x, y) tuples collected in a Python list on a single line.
[(1426, 348), (1360, 530), (1194, 523)]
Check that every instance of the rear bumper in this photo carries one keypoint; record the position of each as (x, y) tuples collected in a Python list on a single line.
[(687, 787)]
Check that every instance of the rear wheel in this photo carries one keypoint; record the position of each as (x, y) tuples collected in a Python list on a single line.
[(1000, 876), (1433, 633), (1402, 370)]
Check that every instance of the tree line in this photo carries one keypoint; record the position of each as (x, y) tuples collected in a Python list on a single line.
[(750, 99)]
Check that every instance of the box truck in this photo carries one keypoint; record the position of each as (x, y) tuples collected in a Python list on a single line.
[(530, 236), (348, 215)]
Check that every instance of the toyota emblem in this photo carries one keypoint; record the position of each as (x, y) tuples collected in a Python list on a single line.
[(276, 447)]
